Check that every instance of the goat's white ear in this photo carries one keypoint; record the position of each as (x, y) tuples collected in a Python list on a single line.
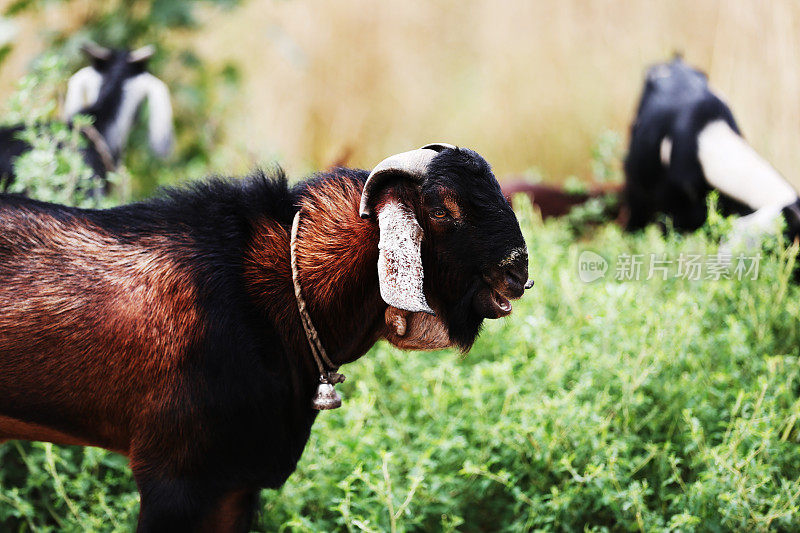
[(160, 123), (82, 90), (400, 259)]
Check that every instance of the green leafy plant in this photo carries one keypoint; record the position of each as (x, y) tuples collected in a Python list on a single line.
[(655, 405), (606, 169), (54, 169), (650, 405)]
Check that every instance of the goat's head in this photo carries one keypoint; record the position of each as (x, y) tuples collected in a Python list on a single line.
[(472, 260), (112, 90), (675, 76), (129, 62)]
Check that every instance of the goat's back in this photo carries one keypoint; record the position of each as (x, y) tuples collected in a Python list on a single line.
[(84, 314)]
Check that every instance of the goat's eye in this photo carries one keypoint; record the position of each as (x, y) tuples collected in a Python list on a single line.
[(439, 213)]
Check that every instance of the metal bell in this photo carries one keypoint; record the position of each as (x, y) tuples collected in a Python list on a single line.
[(326, 397)]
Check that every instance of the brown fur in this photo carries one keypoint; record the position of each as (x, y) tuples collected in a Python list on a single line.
[(232, 513), (104, 325), (335, 277), (451, 204), (415, 331), (554, 201), (27, 431), (100, 333), (95, 354)]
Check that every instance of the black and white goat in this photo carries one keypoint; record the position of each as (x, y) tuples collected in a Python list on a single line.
[(685, 143), (110, 92)]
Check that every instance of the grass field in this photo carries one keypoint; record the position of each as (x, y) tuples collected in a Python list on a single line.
[(611, 405)]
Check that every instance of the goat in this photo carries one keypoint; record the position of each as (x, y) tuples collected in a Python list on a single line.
[(110, 92), (169, 331), (554, 201), (684, 143)]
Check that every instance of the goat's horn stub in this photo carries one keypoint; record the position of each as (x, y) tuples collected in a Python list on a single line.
[(412, 164), (95, 51), (141, 54)]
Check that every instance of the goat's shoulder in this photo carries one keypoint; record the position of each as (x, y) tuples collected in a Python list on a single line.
[(205, 206), (335, 180)]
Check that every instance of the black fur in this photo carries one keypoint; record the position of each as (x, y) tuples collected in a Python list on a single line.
[(791, 214), (115, 70), (676, 102)]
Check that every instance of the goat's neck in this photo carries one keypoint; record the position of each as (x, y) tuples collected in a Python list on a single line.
[(337, 254), (733, 167), (118, 128), (114, 115)]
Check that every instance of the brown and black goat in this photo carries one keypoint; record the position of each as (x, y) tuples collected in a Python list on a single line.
[(168, 330)]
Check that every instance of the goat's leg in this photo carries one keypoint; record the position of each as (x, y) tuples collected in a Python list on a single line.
[(175, 504), (638, 210), (233, 513), (169, 505)]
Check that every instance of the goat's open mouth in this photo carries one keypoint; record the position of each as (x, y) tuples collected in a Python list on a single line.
[(502, 303), (491, 303)]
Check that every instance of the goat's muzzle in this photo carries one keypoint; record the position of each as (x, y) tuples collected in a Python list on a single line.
[(505, 282)]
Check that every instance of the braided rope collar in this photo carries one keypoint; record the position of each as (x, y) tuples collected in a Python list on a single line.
[(328, 374)]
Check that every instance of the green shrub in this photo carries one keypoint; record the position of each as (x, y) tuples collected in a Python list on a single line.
[(200, 92), (53, 169), (640, 405)]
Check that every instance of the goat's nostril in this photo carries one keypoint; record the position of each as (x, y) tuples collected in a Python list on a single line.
[(515, 277)]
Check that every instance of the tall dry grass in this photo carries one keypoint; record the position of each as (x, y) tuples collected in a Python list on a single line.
[(528, 84)]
